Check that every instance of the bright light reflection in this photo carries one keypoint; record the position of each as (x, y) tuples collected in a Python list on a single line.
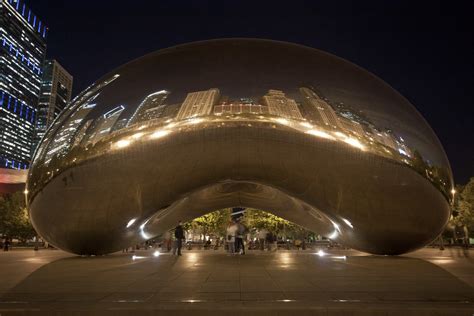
[(442, 261), (156, 253), (137, 135), (159, 134), (192, 257), (321, 253), (142, 231), (306, 124), (130, 222), (354, 143), (122, 143), (348, 223), (137, 257), (340, 257), (282, 121), (195, 120), (171, 125), (319, 133), (333, 235)]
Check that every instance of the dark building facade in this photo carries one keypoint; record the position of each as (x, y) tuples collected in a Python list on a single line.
[(23, 48), (56, 89)]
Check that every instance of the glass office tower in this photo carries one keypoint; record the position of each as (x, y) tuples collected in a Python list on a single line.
[(56, 89), (22, 52)]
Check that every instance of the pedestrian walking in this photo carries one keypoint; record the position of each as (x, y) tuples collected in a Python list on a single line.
[(179, 235)]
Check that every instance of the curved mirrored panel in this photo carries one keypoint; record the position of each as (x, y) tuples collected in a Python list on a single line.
[(239, 122)]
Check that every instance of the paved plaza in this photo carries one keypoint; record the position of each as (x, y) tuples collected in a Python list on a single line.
[(333, 282)]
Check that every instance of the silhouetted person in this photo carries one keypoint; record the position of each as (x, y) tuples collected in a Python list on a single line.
[(269, 241), (179, 235), (6, 244)]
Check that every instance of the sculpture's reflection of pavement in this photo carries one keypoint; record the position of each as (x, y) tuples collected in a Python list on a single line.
[(424, 282)]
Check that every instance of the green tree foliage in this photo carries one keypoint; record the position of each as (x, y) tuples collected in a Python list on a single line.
[(260, 219), (214, 223), (463, 213), (14, 220)]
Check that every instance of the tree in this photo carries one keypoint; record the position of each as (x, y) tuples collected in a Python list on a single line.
[(463, 209), (14, 221), (260, 219), (212, 223)]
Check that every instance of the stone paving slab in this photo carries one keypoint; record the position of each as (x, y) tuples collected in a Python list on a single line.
[(342, 282)]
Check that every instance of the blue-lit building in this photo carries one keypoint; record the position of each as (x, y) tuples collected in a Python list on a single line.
[(23, 48)]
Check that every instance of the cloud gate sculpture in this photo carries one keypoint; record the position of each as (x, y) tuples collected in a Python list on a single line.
[(255, 123)]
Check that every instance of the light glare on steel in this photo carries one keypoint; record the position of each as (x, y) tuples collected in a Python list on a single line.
[(130, 222), (319, 133), (159, 134), (122, 143), (348, 223)]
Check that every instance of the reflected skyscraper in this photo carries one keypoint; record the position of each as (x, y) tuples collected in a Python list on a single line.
[(104, 124), (23, 47), (198, 103), (318, 109), (280, 105), (56, 89), (65, 138), (240, 106), (150, 108), (351, 126)]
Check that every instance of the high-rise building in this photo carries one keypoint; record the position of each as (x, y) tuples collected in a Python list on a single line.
[(22, 52), (198, 103), (56, 89), (351, 126), (104, 124), (67, 134), (170, 111), (240, 106), (318, 110), (150, 108), (279, 104)]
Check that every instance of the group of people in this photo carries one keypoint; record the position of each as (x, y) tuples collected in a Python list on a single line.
[(236, 234)]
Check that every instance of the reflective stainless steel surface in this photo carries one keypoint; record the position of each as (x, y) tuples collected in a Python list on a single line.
[(239, 122)]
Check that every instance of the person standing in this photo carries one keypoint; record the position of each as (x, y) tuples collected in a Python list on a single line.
[(239, 238), (179, 235), (6, 244), (230, 237), (269, 241), (262, 234), (167, 241)]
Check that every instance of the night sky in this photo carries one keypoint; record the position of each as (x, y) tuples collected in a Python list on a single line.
[(423, 49)]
